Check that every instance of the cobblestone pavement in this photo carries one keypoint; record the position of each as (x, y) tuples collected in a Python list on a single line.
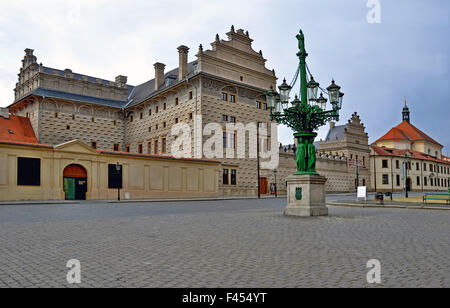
[(245, 243)]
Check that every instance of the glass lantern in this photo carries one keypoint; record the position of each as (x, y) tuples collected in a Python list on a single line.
[(322, 102), (341, 98), (313, 88), (271, 97), (333, 92), (285, 89)]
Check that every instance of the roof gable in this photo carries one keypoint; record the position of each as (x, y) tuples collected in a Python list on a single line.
[(407, 131), (75, 146)]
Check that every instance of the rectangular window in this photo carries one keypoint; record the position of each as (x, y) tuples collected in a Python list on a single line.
[(156, 147), (224, 140), (232, 98), (265, 106), (225, 177), (114, 176), (224, 118), (94, 144), (28, 171), (425, 182), (127, 148), (385, 163), (385, 179), (150, 112), (156, 109), (163, 145), (176, 101), (116, 147), (225, 97), (141, 115), (232, 140), (165, 106), (233, 119), (398, 180), (190, 116), (149, 147), (417, 166), (258, 105), (140, 150), (176, 120), (424, 167), (233, 177), (397, 164), (418, 181), (164, 124), (191, 96)]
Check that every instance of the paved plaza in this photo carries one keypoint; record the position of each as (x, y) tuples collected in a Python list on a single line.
[(235, 243)]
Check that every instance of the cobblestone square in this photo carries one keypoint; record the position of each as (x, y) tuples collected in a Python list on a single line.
[(237, 243)]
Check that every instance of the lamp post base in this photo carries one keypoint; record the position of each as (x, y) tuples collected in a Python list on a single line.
[(306, 196)]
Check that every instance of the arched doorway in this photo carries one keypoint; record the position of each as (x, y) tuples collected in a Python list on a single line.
[(75, 182)]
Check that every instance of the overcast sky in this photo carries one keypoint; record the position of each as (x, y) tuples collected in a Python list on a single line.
[(377, 65)]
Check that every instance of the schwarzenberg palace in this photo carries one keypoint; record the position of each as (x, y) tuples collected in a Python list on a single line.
[(72, 136)]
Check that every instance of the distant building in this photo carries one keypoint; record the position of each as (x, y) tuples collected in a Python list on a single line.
[(408, 158)]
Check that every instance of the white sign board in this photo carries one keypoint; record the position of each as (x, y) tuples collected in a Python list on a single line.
[(362, 192)]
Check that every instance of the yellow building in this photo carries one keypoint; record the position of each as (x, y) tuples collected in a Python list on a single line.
[(407, 158), (75, 171)]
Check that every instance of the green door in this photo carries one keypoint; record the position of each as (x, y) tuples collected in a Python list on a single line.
[(69, 188)]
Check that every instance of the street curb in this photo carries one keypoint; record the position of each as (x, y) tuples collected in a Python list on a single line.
[(38, 202), (388, 206), (193, 200)]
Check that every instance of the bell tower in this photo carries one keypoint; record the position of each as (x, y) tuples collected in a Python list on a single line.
[(406, 113)]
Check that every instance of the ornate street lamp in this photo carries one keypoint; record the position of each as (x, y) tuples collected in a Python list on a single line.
[(305, 116)]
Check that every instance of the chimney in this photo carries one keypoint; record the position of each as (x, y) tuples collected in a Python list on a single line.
[(4, 113), (183, 62), (121, 80), (159, 75)]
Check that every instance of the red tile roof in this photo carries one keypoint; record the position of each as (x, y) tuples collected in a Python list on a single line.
[(17, 129), (407, 131), (382, 151)]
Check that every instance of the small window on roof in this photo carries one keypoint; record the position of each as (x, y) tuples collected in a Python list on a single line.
[(10, 131)]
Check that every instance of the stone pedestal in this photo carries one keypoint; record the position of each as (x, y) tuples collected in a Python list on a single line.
[(306, 196)]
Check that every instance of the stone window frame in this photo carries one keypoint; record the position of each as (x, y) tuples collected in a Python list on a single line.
[(384, 164), (164, 145), (149, 147), (385, 179), (225, 176)]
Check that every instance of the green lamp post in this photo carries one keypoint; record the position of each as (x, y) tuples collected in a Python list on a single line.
[(304, 116)]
